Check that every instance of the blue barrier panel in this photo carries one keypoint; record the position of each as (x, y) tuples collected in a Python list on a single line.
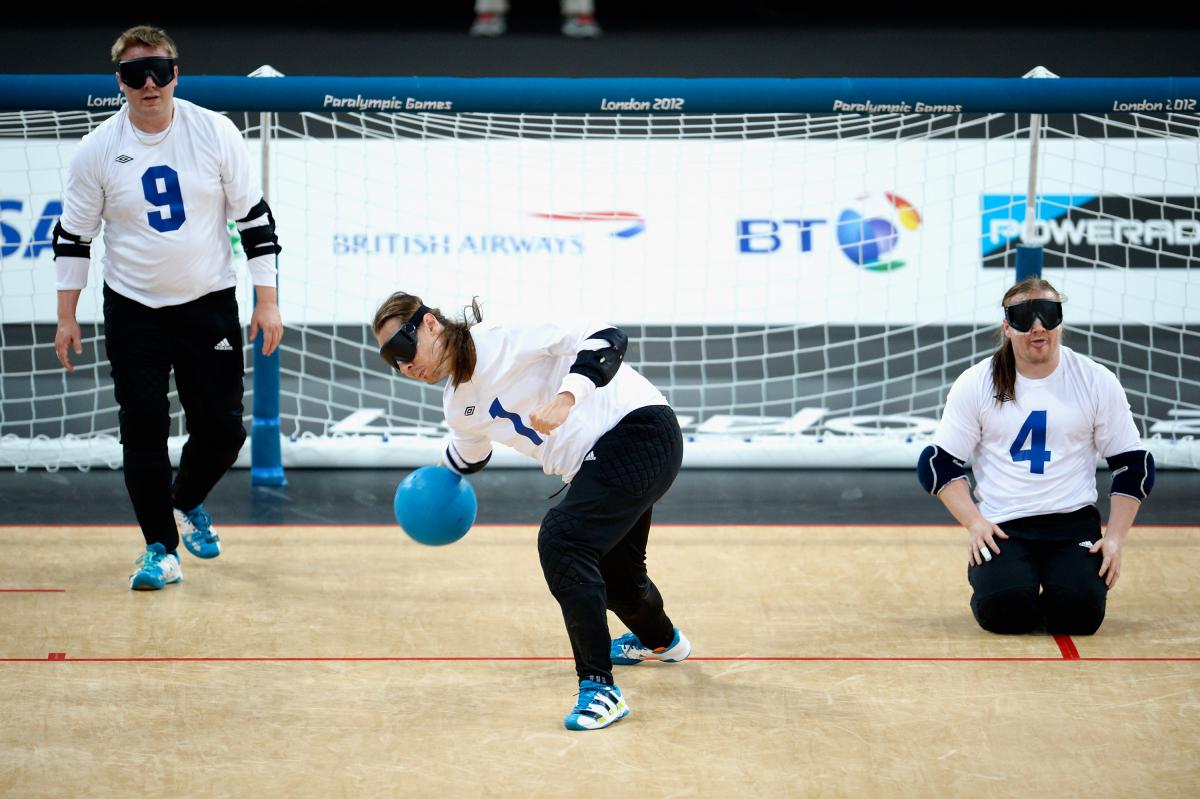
[(627, 95)]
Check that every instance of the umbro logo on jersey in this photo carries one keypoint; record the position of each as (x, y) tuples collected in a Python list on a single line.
[(124, 159), (223, 346), (591, 456), (469, 411)]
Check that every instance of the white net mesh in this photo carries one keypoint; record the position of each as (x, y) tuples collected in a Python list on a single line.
[(803, 288)]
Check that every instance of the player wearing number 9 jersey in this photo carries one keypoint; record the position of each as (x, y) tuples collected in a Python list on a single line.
[(163, 176), (1032, 420), (564, 396)]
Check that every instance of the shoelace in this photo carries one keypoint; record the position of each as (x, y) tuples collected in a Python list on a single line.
[(149, 559), (201, 536), (587, 698), (629, 643), (200, 520)]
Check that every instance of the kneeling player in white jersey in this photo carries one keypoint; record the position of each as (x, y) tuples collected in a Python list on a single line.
[(564, 397), (1032, 419), (164, 176)]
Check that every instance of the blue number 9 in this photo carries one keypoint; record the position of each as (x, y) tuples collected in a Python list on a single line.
[(169, 198)]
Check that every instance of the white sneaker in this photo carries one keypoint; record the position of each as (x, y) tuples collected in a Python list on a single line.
[(581, 26), (628, 650), (196, 533), (598, 706), (490, 25), (155, 569)]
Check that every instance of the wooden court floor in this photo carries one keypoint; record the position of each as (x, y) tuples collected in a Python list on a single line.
[(350, 662)]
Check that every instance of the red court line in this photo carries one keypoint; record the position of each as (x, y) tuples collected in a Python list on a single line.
[(376, 526), (33, 590), (813, 659), (1067, 647)]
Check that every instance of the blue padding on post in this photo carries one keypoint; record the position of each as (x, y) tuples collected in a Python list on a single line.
[(267, 477), (1029, 262), (266, 455)]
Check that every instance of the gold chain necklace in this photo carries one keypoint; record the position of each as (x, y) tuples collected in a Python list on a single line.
[(152, 141)]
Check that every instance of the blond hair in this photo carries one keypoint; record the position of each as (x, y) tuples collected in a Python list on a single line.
[(146, 36)]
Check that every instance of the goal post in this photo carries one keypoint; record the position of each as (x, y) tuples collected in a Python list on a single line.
[(804, 266)]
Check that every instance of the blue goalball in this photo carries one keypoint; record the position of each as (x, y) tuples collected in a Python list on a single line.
[(435, 506)]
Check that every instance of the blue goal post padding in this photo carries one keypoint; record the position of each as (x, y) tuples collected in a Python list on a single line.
[(626, 95)]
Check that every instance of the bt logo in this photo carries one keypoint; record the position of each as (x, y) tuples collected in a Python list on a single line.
[(868, 231)]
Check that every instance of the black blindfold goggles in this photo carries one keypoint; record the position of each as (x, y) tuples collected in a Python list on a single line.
[(402, 346), (160, 69), (1021, 315)]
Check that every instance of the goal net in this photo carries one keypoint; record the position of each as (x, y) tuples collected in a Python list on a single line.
[(803, 287)]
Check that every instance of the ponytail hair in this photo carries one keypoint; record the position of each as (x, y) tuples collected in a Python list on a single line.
[(459, 346), (1004, 361)]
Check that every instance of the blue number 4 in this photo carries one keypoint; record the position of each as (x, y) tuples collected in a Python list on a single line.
[(168, 196), (1035, 430)]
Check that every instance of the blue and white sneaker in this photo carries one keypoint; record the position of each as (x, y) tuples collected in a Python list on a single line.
[(598, 706), (155, 569), (195, 530), (628, 650), (580, 26), (489, 25)]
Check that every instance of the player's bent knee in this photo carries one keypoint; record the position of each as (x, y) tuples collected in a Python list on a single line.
[(233, 435), (219, 434), (1073, 612), (144, 427), (634, 597), (1009, 612), (564, 559)]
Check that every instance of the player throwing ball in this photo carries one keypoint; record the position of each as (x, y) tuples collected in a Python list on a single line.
[(564, 397), (1032, 419)]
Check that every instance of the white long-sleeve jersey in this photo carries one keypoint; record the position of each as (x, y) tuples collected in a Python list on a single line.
[(521, 366), (165, 201)]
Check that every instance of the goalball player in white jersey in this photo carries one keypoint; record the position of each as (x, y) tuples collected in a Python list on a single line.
[(1032, 420), (564, 397), (164, 176)]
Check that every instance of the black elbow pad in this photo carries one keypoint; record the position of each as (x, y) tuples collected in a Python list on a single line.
[(68, 245), (600, 366), (1132, 474), (260, 239), (937, 468)]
